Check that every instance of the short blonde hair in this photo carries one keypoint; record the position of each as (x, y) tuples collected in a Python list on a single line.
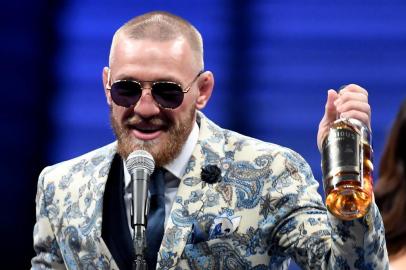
[(163, 26)]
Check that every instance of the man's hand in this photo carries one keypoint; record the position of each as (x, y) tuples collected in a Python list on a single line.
[(350, 102)]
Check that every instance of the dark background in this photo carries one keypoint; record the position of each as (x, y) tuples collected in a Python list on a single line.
[(273, 63)]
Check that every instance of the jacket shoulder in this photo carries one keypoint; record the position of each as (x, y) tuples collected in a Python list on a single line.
[(246, 146), (86, 161)]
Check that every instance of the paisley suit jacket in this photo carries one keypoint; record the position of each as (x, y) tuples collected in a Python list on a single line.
[(264, 211)]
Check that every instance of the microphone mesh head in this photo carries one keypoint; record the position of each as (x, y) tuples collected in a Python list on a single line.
[(140, 159)]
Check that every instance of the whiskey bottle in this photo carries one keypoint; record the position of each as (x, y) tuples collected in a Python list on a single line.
[(347, 169)]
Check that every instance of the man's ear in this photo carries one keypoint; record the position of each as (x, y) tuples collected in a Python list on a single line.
[(205, 84), (106, 80)]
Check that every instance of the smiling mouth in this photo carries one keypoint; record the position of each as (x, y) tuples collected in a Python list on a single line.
[(146, 131), (146, 128)]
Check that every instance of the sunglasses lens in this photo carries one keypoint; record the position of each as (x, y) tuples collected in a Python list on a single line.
[(125, 93), (168, 95)]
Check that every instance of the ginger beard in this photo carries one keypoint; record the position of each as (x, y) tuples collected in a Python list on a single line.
[(163, 150)]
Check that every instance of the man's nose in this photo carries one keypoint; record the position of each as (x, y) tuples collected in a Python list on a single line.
[(146, 106)]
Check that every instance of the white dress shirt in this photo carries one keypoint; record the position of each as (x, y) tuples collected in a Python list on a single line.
[(174, 173)]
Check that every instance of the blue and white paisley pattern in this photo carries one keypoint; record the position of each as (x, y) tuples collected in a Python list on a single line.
[(270, 187), (69, 207), (221, 255)]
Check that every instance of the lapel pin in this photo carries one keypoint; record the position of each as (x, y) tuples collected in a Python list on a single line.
[(211, 174)]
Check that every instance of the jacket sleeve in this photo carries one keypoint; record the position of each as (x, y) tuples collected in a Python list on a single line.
[(314, 238), (48, 255)]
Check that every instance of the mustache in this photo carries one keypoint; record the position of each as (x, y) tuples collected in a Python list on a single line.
[(156, 121)]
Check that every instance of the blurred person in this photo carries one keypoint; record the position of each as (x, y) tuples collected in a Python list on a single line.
[(390, 192), (230, 201)]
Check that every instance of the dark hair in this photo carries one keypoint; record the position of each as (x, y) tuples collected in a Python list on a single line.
[(390, 192)]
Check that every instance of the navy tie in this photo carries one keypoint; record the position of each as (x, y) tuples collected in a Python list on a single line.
[(156, 217)]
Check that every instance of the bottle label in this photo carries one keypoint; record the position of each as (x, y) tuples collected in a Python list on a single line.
[(340, 155)]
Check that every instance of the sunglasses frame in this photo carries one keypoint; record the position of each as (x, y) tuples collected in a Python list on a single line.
[(109, 84)]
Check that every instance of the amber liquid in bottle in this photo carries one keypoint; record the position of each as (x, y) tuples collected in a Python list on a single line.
[(347, 169)]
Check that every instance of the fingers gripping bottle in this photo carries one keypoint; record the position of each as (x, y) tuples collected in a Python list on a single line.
[(347, 169)]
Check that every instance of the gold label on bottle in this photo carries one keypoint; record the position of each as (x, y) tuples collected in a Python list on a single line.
[(340, 156)]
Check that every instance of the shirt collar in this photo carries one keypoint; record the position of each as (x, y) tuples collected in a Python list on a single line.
[(177, 166)]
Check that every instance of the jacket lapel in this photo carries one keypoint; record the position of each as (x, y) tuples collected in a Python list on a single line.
[(115, 230), (193, 196)]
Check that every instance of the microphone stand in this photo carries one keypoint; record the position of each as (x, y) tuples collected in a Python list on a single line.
[(140, 246)]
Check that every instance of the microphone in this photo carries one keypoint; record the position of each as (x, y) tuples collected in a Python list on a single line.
[(140, 164)]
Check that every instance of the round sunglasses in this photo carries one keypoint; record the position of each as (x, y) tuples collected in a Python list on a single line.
[(167, 94)]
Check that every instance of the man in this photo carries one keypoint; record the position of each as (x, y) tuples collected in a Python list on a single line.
[(231, 202)]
